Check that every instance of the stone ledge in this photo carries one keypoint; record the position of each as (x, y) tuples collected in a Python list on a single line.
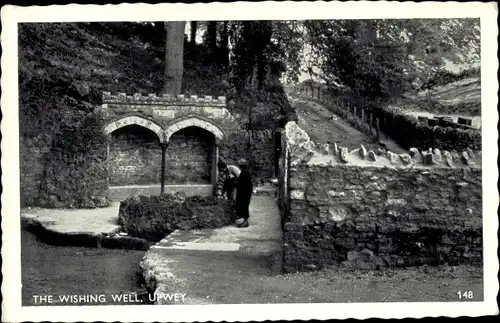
[(110, 240)]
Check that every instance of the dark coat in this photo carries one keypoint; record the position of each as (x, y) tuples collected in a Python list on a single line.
[(244, 186)]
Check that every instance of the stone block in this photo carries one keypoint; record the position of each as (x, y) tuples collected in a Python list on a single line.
[(337, 214), (291, 226), (335, 149), (297, 194), (371, 155), (466, 159), (428, 158), (470, 153), (405, 158), (393, 158), (362, 152), (324, 148), (414, 151), (332, 193), (437, 156), (343, 155)]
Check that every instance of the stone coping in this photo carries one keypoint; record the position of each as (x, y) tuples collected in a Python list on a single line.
[(304, 151), (152, 98)]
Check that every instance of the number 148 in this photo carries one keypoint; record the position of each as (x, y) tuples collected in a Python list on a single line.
[(468, 294)]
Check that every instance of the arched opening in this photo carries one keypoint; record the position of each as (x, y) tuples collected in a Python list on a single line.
[(134, 156), (193, 122), (134, 120), (189, 156)]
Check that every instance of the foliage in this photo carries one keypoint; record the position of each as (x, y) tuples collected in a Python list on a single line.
[(383, 58), (75, 168)]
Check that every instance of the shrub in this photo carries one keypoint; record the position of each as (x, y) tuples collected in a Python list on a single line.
[(154, 217)]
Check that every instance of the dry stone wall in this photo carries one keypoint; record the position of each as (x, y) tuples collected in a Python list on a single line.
[(365, 209)]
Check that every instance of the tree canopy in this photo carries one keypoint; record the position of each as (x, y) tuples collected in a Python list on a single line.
[(379, 57)]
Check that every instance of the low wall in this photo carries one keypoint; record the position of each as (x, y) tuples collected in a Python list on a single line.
[(362, 210), (257, 146), (420, 135)]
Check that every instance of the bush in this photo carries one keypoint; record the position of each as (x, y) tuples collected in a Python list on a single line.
[(154, 217)]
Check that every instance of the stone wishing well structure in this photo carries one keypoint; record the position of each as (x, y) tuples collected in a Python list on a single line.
[(163, 140)]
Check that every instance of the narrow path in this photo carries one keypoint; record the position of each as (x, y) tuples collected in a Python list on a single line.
[(323, 126), (195, 262)]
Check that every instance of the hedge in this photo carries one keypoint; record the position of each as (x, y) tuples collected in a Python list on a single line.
[(408, 132), (154, 217)]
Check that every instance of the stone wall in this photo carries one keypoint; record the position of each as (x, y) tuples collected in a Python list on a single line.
[(31, 160), (367, 210), (135, 157)]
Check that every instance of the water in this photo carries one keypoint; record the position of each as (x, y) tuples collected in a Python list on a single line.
[(88, 273)]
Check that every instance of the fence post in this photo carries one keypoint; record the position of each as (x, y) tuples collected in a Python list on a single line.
[(377, 125), (362, 115), (370, 122), (354, 109)]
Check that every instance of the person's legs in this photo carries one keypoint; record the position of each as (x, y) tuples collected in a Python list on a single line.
[(243, 210)]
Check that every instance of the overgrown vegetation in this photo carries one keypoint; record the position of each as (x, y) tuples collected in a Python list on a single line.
[(154, 217), (381, 59)]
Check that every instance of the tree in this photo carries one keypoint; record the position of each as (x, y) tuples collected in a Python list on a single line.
[(212, 36), (174, 57), (383, 58), (194, 29)]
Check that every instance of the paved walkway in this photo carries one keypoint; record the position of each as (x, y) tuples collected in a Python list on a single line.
[(75, 221), (189, 262)]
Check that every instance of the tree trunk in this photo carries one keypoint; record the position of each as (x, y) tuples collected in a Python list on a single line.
[(194, 28), (225, 43), (174, 57), (212, 36)]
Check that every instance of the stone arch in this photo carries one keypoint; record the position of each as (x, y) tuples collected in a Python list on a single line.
[(135, 120), (193, 122)]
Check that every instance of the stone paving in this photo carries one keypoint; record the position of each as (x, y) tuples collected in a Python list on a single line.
[(216, 253), (68, 221)]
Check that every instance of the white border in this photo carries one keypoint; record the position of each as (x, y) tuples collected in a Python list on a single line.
[(11, 287)]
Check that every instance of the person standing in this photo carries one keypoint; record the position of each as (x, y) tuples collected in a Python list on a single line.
[(226, 181), (244, 189)]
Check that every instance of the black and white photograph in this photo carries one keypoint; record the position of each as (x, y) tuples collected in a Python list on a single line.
[(173, 155)]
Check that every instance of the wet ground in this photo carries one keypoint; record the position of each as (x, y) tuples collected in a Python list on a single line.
[(64, 271)]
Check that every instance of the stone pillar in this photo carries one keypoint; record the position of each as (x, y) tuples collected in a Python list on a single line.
[(108, 164), (163, 153), (215, 160)]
